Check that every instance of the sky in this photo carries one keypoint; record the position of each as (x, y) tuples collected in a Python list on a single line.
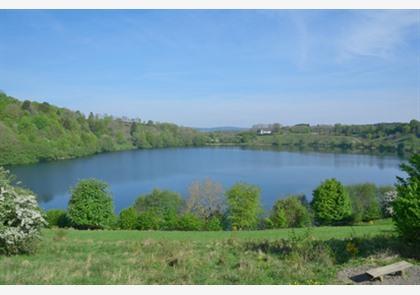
[(208, 68)]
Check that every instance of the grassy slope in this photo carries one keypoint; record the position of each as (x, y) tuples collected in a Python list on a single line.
[(134, 257)]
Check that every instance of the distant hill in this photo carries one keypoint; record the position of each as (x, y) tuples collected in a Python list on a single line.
[(222, 129)]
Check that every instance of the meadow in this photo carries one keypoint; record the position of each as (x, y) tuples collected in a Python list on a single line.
[(282, 256)]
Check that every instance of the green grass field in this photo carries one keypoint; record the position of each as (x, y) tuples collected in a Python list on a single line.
[(300, 256), (323, 233)]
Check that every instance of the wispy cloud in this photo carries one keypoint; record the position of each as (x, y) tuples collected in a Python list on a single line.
[(377, 33)]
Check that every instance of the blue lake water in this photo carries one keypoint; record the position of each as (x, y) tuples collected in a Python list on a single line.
[(132, 173)]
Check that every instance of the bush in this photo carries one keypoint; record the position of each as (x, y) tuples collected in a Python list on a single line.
[(149, 220), (90, 206), (162, 202), (406, 206), (57, 218), (365, 205), (214, 223), (170, 221), (244, 206), (387, 203), (127, 219), (162, 205), (290, 212), (266, 223), (331, 203), (20, 218), (190, 222), (386, 195)]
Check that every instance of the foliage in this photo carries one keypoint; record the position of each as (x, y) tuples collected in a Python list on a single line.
[(159, 205), (331, 203), (290, 212), (162, 202), (20, 218), (243, 206), (406, 206), (387, 203), (90, 206), (400, 138), (149, 220), (206, 199), (31, 132), (57, 218), (365, 205), (214, 223), (128, 218), (190, 222)]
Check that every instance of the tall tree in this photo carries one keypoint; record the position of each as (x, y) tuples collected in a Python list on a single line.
[(243, 206), (206, 199), (406, 213), (331, 203)]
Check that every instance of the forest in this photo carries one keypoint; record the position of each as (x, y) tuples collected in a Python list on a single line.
[(32, 132)]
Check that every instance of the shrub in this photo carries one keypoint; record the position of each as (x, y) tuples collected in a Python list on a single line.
[(331, 203), (365, 205), (149, 220), (277, 217), (20, 218), (244, 206), (162, 205), (170, 221), (266, 223), (407, 204), (90, 206), (387, 203), (290, 212), (190, 222), (127, 219), (214, 223), (384, 198), (161, 202), (57, 217)]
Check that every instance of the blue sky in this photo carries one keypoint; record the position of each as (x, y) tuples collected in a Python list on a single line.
[(207, 68)]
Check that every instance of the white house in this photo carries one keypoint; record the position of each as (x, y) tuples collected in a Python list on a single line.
[(263, 132)]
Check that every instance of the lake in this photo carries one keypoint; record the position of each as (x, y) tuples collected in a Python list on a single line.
[(135, 172)]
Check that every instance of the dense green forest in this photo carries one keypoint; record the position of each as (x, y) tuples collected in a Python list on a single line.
[(31, 132)]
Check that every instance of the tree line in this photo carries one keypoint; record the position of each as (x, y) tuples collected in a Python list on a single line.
[(209, 208), (31, 132), (400, 138)]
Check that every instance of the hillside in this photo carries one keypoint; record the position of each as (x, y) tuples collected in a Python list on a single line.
[(31, 132), (396, 138)]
